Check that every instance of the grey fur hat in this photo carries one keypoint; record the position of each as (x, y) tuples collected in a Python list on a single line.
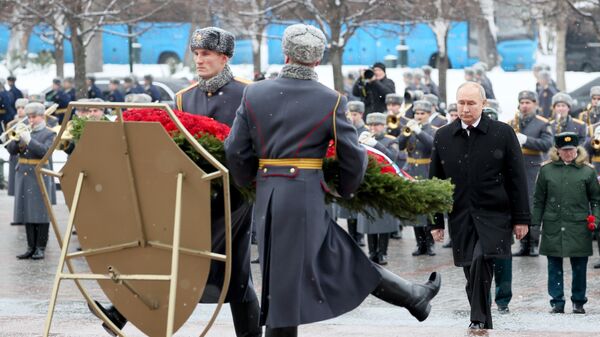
[(422, 105), (492, 103), (526, 94), (479, 68), (469, 71), (215, 39), (408, 73), (453, 107), (376, 118), (595, 91), (427, 69), (431, 98), (303, 43), (393, 99), (562, 97), (356, 106), (35, 108), (545, 74), (138, 98), (418, 73), (21, 102)]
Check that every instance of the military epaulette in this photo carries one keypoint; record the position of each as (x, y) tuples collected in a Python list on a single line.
[(243, 80), (578, 121), (390, 137), (543, 119), (546, 162), (192, 86)]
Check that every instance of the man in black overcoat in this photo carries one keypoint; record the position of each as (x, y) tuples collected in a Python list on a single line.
[(483, 159)]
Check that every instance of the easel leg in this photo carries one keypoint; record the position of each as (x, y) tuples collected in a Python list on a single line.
[(175, 257)]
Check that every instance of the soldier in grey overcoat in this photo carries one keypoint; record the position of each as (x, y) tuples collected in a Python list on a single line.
[(436, 119), (217, 95), (535, 137), (312, 270), (563, 122), (29, 209), (12, 160), (418, 144), (378, 229)]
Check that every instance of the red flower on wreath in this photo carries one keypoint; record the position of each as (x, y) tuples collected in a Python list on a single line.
[(386, 167), (195, 124), (591, 223)]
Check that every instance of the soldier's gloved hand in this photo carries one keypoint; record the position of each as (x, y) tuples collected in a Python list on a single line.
[(367, 139), (522, 138), (417, 129), (25, 136), (3, 138), (597, 133)]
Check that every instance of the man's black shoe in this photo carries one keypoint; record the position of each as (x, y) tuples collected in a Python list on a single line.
[(360, 242), (534, 250), (477, 326), (430, 251), (523, 251), (419, 251), (597, 265), (447, 244), (396, 235), (382, 260), (16, 224), (503, 309), (557, 310), (113, 314), (578, 309)]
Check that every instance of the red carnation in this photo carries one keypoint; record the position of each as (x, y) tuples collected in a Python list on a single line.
[(591, 223)]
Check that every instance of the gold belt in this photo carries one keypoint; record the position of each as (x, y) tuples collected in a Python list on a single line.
[(29, 161), (301, 163), (2, 111), (529, 152), (418, 161), (596, 159)]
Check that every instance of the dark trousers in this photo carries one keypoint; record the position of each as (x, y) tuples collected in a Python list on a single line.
[(556, 281), (503, 279), (479, 281)]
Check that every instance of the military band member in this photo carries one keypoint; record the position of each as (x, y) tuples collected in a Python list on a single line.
[(12, 161), (535, 137), (356, 109), (407, 78), (563, 122), (418, 84), (428, 81), (92, 89), (591, 115), (311, 268), (480, 68), (396, 118), (218, 95), (34, 141), (417, 140), (378, 229), (436, 119), (545, 93), (452, 112), (469, 74)]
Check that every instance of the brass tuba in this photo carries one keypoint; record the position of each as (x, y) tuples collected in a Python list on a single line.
[(392, 121)]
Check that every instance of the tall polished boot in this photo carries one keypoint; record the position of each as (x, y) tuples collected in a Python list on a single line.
[(282, 332), (113, 314), (597, 265), (384, 240), (246, 318), (41, 238), (421, 244), (30, 231), (358, 237), (414, 297), (373, 242), (429, 244)]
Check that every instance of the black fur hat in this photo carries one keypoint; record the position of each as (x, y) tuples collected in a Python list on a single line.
[(213, 38)]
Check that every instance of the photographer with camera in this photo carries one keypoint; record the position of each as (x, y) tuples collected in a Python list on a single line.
[(372, 86)]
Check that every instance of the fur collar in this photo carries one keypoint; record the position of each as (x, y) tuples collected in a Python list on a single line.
[(217, 82), (580, 160), (298, 72)]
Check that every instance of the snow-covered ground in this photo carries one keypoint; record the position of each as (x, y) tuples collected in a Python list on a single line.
[(506, 84)]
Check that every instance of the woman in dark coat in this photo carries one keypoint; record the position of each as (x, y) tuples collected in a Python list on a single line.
[(565, 192)]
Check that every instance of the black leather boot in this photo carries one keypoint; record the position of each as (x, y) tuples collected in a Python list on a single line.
[(246, 318), (41, 240), (414, 297), (113, 314), (597, 265), (421, 245), (384, 240), (373, 241), (524, 247), (448, 244), (429, 244), (282, 332), (30, 231)]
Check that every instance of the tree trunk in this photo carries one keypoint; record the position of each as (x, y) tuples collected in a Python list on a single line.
[(487, 50), (16, 53), (59, 55), (561, 62), (256, 51), (78, 59), (441, 28), (94, 56)]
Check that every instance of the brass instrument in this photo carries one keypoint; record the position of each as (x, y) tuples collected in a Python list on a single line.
[(516, 124), (11, 132), (66, 138), (596, 143), (392, 121), (406, 131)]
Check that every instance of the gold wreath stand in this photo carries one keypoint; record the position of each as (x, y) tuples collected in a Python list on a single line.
[(126, 281)]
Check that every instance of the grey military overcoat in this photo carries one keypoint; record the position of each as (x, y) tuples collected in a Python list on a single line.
[(312, 269)]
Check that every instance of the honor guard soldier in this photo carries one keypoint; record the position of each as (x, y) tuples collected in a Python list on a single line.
[(428, 81), (15, 92), (217, 93), (591, 115), (32, 143), (535, 137), (407, 78), (379, 228), (151, 89), (537, 69), (114, 94), (563, 122), (452, 112), (356, 109), (12, 161), (57, 95), (92, 89), (417, 139), (479, 68), (311, 269), (418, 84), (545, 93), (435, 119), (469, 74)]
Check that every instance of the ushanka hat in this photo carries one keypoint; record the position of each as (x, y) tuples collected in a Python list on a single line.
[(303, 43), (215, 39)]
